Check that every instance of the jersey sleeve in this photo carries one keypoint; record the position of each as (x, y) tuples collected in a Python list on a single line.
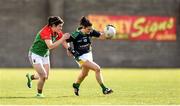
[(73, 36), (45, 34), (95, 33), (70, 39), (60, 34)]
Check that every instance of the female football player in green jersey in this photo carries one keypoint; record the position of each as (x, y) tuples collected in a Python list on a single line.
[(81, 51), (49, 37)]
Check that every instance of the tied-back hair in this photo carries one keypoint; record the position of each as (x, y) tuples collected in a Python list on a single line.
[(84, 22), (54, 20)]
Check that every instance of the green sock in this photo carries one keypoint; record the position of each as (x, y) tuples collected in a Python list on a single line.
[(103, 87), (76, 85)]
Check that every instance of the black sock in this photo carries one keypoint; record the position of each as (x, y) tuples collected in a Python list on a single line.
[(40, 91), (76, 85), (32, 77), (103, 87)]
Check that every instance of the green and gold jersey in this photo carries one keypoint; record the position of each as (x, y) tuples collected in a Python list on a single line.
[(81, 41)]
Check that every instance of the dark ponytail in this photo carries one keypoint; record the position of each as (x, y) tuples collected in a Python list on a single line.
[(54, 20), (85, 22)]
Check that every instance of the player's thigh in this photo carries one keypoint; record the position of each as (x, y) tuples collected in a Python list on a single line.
[(40, 70), (47, 68), (91, 65), (85, 71), (46, 64), (37, 63)]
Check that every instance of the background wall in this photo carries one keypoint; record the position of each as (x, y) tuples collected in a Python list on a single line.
[(20, 20)]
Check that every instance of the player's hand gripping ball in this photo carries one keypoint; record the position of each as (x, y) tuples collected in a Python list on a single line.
[(109, 31)]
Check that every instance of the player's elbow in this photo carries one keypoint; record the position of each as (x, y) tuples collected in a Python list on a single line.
[(51, 47)]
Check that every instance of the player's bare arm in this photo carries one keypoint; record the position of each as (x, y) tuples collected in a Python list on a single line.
[(52, 45)]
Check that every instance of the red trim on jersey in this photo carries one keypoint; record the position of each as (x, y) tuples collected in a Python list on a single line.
[(46, 32), (60, 34)]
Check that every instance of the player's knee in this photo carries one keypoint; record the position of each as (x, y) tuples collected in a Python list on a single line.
[(42, 79), (97, 69), (46, 77), (43, 76), (85, 74)]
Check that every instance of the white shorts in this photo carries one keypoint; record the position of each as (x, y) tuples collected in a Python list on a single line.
[(83, 58), (36, 59)]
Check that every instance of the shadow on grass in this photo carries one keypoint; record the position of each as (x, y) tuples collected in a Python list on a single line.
[(16, 97)]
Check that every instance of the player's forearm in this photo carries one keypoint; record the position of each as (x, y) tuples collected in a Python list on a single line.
[(102, 36), (66, 45), (55, 44)]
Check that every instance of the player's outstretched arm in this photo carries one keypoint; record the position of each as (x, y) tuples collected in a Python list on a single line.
[(102, 36)]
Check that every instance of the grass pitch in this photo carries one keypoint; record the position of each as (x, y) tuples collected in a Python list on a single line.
[(131, 86)]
